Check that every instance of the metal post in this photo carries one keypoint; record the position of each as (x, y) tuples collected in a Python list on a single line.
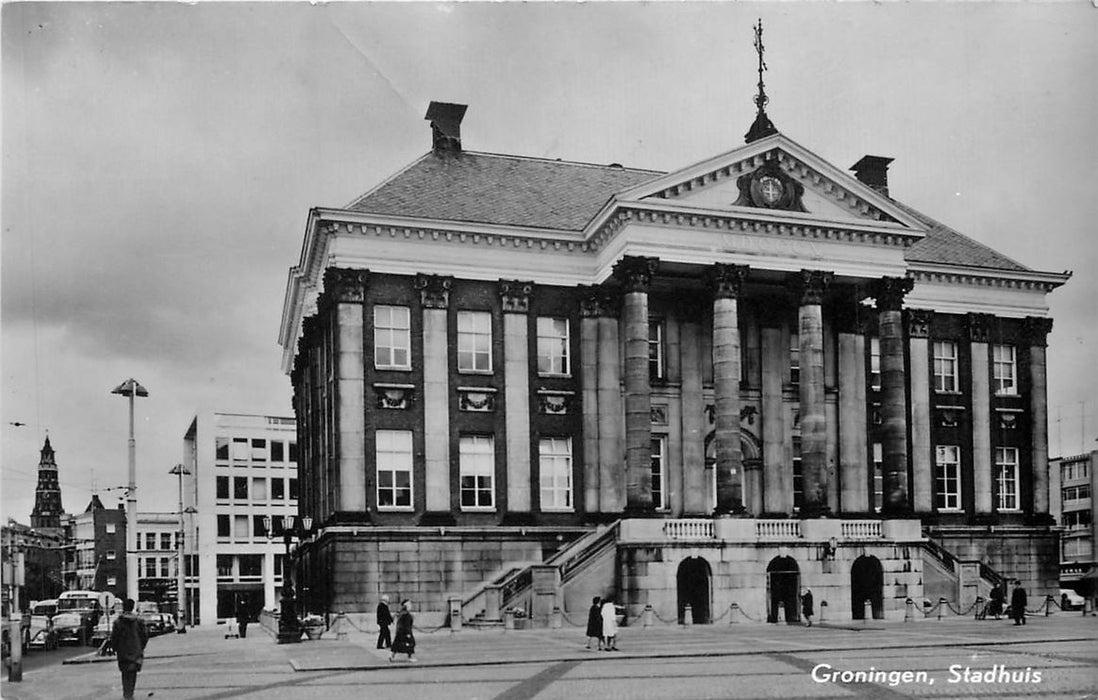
[(131, 389), (15, 636), (181, 577)]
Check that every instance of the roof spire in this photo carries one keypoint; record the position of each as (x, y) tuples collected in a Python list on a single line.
[(762, 125)]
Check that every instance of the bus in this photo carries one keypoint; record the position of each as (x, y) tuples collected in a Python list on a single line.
[(83, 617)]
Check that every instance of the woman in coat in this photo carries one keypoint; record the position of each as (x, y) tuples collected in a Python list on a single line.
[(610, 624), (594, 622), (404, 642)]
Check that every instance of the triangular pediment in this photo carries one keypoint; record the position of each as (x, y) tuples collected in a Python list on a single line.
[(813, 188)]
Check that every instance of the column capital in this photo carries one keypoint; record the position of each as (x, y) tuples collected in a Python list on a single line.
[(889, 292), (598, 302), (979, 327), (636, 272), (516, 295), (918, 322), (434, 290), (810, 285), (725, 280), (344, 284), (1035, 330)]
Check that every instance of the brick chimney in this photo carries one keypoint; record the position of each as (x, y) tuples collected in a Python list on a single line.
[(873, 171), (445, 121)]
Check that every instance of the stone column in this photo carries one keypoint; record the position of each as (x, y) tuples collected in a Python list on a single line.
[(434, 297), (853, 441), (1036, 332), (725, 281), (693, 419), (611, 420), (978, 325), (589, 391), (345, 290), (889, 293), (515, 299), (922, 452), (777, 478), (635, 274), (811, 285)]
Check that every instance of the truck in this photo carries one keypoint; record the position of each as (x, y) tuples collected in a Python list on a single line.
[(84, 617)]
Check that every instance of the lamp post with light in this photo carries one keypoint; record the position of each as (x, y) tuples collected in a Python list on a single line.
[(289, 629), (131, 389)]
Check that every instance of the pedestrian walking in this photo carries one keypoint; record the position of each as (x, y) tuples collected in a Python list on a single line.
[(609, 624), (806, 607), (242, 616), (995, 607), (594, 622), (384, 619), (404, 642), (1018, 604), (128, 639)]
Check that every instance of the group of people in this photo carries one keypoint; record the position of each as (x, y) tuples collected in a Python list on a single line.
[(1018, 602), (405, 640), (602, 624)]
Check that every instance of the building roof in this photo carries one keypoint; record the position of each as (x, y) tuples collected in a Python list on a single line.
[(553, 194), (496, 189)]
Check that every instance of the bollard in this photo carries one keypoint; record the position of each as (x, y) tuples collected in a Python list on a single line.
[(1048, 605), (941, 604), (732, 610), (554, 619), (341, 626), (455, 615), (15, 668), (868, 612), (687, 615), (979, 607), (649, 613), (508, 619), (909, 606), (823, 609)]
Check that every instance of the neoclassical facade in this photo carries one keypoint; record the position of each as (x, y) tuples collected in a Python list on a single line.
[(758, 370)]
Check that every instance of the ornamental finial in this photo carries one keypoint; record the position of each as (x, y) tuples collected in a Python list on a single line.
[(762, 125)]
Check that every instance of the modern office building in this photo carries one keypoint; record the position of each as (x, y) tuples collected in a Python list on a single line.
[(158, 558), (519, 382), (240, 470), (1072, 482)]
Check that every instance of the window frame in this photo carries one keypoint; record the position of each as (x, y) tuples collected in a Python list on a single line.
[(390, 331), (477, 455), (658, 473), (1004, 385), (657, 349), (469, 332), (394, 462), (559, 364), (874, 363), (1007, 473), (945, 382), (944, 496), (554, 465)]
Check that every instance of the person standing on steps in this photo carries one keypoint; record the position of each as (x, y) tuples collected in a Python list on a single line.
[(128, 639), (609, 624), (384, 619), (594, 623), (807, 610), (405, 641), (1018, 604)]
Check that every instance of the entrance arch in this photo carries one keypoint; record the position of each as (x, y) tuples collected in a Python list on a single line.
[(782, 585), (694, 589), (867, 583), (750, 454)]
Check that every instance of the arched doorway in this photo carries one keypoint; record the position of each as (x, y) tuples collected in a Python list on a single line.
[(693, 583), (782, 585), (867, 583), (751, 454)]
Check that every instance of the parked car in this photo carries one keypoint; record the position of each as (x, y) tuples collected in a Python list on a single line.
[(1070, 600), (158, 623)]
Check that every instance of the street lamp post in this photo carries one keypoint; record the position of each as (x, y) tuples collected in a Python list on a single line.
[(130, 389), (289, 629), (181, 575)]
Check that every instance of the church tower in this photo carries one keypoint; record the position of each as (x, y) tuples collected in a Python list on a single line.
[(47, 496)]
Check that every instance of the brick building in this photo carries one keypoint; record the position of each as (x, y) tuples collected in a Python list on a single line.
[(519, 382)]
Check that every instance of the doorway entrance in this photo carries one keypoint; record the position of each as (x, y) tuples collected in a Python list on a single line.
[(694, 589), (782, 585), (867, 584)]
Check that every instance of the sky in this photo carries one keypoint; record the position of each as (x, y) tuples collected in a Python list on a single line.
[(159, 162)]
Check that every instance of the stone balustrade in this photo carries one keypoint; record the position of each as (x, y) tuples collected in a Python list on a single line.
[(765, 530), (689, 529), (861, 529)]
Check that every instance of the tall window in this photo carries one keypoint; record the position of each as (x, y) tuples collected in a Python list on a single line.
[(223, 525), (474, 341), (555, 473), (798, 474), (223, 488), (278, 489), (794, 359), (657, 366), (392, 337), (945, 366), (659, 472), (875, 364), (1006, 469), (242, 450), (878, 476), (259, 489), (1004, 369), (150, 540), (150, 567), (166, 540), (240, 488), (553, 346), (477, 459), (242, 529), (394, 468), (947, 486)]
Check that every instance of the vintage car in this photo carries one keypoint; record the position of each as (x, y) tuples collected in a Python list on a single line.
[(83, 617)]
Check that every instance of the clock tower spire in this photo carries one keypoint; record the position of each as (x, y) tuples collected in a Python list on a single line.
[(47, 496)]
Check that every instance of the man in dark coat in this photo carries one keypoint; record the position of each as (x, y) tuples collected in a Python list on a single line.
[(594, 622), (128, 639), (242, 616), (384, 619), (807, 607), (1018, 604)]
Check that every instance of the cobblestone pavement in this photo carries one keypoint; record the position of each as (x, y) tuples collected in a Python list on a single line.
[(1051, 657)]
